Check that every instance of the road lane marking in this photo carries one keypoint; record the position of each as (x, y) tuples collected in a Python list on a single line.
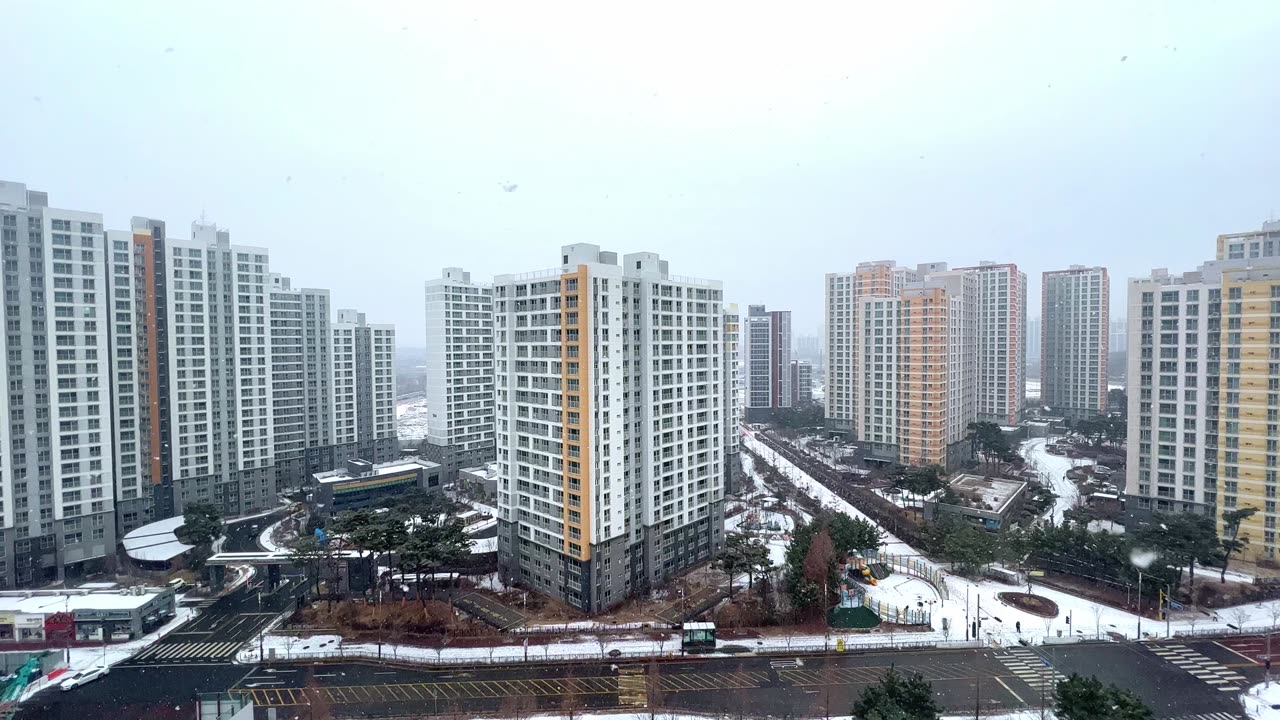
[(1011, 692), (1252, 662)]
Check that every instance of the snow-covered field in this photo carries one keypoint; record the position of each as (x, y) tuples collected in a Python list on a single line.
[(1262, 701), (1054, 468), (411, 419), (999, 621)]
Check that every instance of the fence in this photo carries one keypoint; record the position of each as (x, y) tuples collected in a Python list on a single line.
[(910, 565), (508, 654)]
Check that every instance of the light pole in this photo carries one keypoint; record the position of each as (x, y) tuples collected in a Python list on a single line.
[(1141, 559), (1139, 605)]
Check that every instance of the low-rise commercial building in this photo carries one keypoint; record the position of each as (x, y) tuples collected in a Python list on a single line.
[(362, 484), (57, 616), (990, 503)]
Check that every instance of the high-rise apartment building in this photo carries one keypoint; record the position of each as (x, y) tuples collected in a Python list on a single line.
[(1118, 338), (731, 381), (1034, 336), (918, 355), (223, 376), (1002, 342), (1264, 243), (301, 345), (801, 382), (364, 390), (57, 467), (610, 425), (768, 361), (459, 372), (1075, 327), (844, 369), (209, 376), (1204, 395)]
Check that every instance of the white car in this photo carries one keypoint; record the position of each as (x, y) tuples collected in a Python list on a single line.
[(83, 676)]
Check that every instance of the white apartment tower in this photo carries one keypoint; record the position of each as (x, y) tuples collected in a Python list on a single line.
[(1173, 343), (1002, 342), (1204, 395), (732, 384), (459, 371), (844, 370), (364, 389), (57, 468), (1076, 332), (610, 425), (223, 377)]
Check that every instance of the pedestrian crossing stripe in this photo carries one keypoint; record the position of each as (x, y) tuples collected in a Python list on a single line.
[(1030, 668), (1199, 666), (632, 686), (1211, 716), (189, 651)]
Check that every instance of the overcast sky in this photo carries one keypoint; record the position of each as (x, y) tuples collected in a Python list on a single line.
[(367, 144)]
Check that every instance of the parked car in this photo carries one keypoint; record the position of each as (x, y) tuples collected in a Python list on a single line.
[(84, 676)]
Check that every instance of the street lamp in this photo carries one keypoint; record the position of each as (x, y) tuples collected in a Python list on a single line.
[(1141, 559)]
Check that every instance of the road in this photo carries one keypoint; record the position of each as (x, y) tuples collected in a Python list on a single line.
[(990, 679), (221, 629)]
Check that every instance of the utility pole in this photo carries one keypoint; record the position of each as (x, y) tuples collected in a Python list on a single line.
[(1139, 605)]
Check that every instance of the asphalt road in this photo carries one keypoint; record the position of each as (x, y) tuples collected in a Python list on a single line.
[(991, 680), (220, 630)]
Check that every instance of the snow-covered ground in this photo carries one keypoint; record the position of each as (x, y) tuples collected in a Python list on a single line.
[(266, 540), (1262, 701), (999, 621), (332, 646), (87, 657), (1053, 469), (411, 419)]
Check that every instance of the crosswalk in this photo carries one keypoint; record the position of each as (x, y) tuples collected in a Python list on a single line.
[(1211, 716), (633, 690), (1030, 668), (1200, 666), (188, 652)]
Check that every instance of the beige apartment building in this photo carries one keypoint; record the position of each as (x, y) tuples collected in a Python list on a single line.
[(916, 354)]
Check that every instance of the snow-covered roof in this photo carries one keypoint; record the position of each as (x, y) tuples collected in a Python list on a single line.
[(157, 541), (46, 603), (698, 626)]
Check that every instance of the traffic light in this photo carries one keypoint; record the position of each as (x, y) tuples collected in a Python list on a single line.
[(1162, 608)]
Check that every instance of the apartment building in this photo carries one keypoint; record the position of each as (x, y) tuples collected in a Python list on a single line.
[(610, 409), (843, 291), (768, 362), (801, 382), (224, 377), (1075, 326), (732, 400), (459, 372), (918, 354), (57, 484), (1264, 243), (364, 390), (1118, 339), (1204, 397), (1034, 336), (1002, 341)]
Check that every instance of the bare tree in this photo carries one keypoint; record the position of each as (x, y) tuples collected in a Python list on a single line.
[(1097, 620), (1241, 616)]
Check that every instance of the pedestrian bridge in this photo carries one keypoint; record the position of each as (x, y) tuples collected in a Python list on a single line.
[(265, 557)]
